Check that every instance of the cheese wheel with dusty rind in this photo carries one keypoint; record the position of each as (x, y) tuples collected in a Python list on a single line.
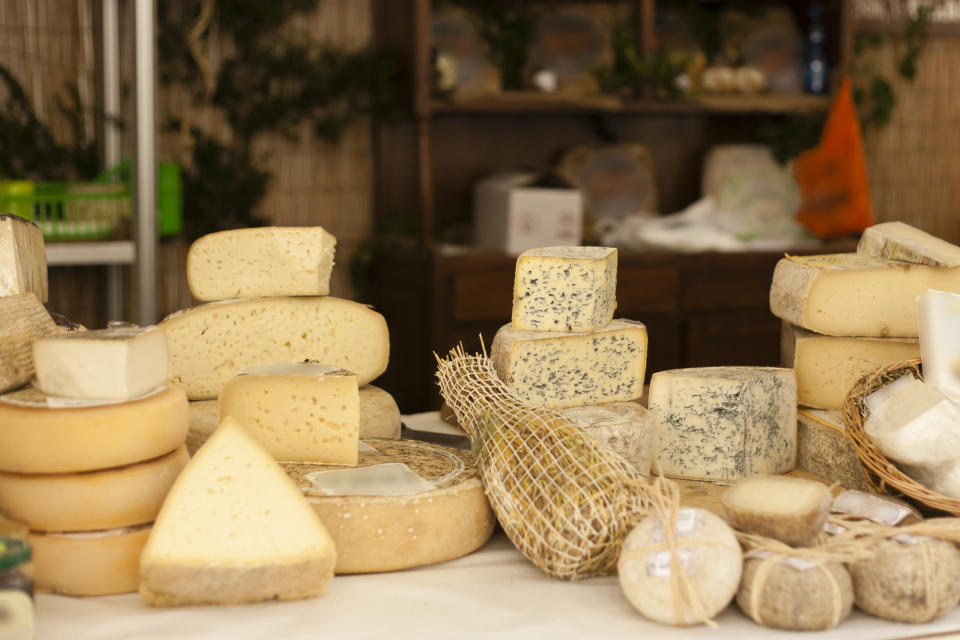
[(40, 439), (95, 500)]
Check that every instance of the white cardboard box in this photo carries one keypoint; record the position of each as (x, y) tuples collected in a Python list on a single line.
[(513, 217)]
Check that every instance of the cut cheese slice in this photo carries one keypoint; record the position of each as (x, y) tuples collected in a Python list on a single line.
[(235, 529), (828, 366), (444, 513), (791, 510), (262, 261), (824, 449), (23, 258), (210, 343), (566, 369), (379, 414), (22, 321), (301, 411), (38, 439), (110, 364), (939, 314), (623, 427), (92, 563), (851, 295), (899, 241), (109, 499)]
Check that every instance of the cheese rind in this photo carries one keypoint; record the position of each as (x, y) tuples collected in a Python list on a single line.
[(22, 321), (625, 428), (262, 261), (23, 258), (791, 510), (96, 500), (939, 316), (235, 529), (828, 366), (795, 593), (899, 241), (305, 412), (210, 343), (824, 449), (851, 295), (379, 414), (45, 440), (565, 289), (565, 369), (110, 364), (724, 423)]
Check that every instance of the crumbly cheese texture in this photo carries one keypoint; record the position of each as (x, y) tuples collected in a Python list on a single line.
[(210, 343), (939, 314), (900, 241), (262, 261), (303, 412), (108, 364), (379, 414), (824, 449), (235, 529), (23, 320), (40, 439), (853, 295), (791, 510), (828, 366), (724, 423), (108, 499), (565, 289), (23, 258), (557, 370), (625, 428)]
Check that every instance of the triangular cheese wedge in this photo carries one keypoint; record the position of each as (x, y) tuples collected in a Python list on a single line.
[(233, 529)]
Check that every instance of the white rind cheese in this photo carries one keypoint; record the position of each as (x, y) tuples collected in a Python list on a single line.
[(23, 258), (557, 370), (565, 289), (851, 295), (210, 343), (791, 510), (109, 364), (881, 509), (724, 423), (899, 241), (939, 314), (625, 428), (824, 449), (828, 366), (22, 321), (262, 261)]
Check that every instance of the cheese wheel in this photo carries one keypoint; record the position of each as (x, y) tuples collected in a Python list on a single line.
[(39, 439), (120, 497), (95, 563), (379, 414), (437, 512)]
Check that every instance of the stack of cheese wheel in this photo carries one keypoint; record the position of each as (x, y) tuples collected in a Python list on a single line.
[(563, 350), (845, 315)]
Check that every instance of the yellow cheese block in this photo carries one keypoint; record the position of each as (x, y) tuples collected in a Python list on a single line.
[(95, 500), (93, 563), (40, 439)]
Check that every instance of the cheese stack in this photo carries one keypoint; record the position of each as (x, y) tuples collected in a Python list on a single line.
[(563, 350)]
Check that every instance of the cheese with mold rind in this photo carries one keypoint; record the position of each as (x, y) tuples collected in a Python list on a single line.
[(23, 258), (824, 449), (22, 321), (791, 510), (900, 241)]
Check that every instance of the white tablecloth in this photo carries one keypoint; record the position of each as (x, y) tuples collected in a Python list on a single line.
[(494, 592)]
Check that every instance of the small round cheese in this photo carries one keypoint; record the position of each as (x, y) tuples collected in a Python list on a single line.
[(791, 510)]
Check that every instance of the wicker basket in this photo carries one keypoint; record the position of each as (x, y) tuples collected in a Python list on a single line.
[(882, 474)]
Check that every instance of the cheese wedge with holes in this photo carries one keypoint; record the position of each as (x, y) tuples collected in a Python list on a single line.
[(23, 258), (262, 261), (900, 241), (22, 321), (234, 529), (853, 295), (210, 343), (300, 412)]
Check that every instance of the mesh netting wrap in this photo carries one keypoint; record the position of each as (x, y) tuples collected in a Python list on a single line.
[(565, 502)]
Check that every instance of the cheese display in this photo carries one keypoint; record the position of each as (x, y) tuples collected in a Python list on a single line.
[(625, 428), (90, 563), (939, 316), (824, 449), (723, 423), (943, 478), (851, 295), (795, 593), (566, 369), (900, 241), (22, 321), (406, 504), (379, 414), (38, 438), (879, 509), (709, 554), (108, 499), (565, 289), (261, 261), (827, 366), (305, 411), (111, 364), (23, 258), (235, 529), (791, 510), (210, 343)]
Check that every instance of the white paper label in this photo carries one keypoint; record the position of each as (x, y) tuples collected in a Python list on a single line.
[(388, 479), (658, 564)]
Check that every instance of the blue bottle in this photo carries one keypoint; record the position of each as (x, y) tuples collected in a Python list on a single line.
[(816, 74)]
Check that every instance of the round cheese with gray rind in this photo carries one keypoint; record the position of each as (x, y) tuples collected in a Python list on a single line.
[(625, 428)]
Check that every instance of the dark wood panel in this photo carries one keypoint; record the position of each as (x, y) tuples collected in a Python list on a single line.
[(483, 295), (733, 338), (729, 286), (645, 290)]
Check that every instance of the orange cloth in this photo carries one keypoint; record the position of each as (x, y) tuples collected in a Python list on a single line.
[(835, 196)]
